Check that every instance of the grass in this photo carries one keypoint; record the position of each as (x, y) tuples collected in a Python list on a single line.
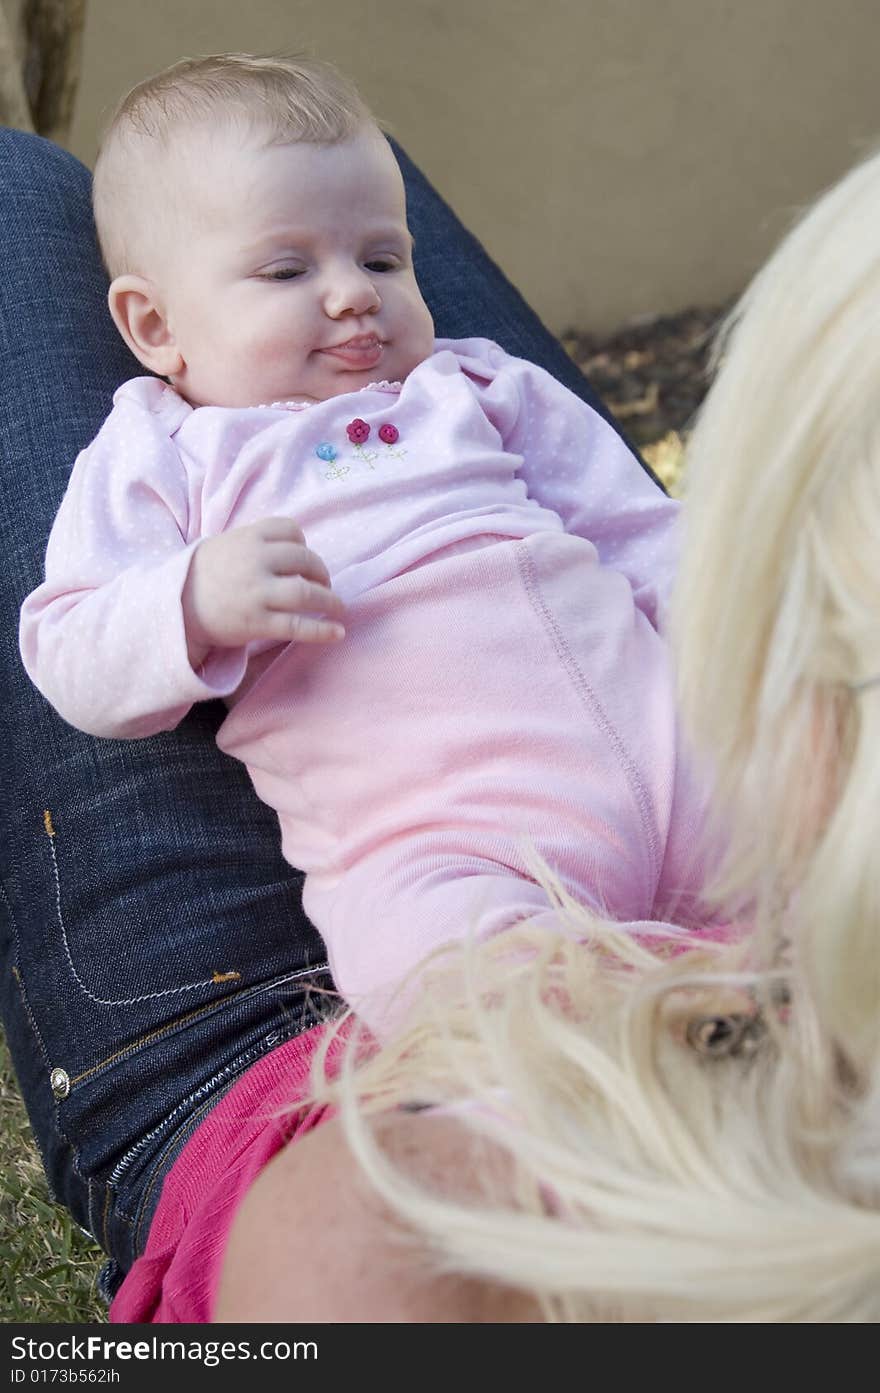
[(666, 458), (48, 1267)]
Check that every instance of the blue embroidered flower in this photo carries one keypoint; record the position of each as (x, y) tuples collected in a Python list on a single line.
[(326, 451)]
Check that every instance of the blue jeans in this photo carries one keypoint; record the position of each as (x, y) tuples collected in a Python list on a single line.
[(152, 937)]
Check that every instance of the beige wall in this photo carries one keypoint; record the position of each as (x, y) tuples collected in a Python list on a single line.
[(618, 157)]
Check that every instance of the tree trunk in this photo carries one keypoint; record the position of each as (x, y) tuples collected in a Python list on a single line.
[(14, 108), (39, 74), (53, 32)]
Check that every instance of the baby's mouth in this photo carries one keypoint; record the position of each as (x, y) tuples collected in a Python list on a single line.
[(362, 351)]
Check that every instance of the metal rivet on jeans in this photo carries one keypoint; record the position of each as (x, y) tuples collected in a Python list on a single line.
[(60, 1082)]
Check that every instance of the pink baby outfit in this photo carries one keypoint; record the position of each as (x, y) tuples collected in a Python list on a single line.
[(503, 560)]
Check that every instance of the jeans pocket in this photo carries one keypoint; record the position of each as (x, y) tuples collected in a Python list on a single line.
[(127, 1118), (127, 927)]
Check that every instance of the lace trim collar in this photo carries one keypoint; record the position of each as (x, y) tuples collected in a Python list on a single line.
[(392, 387)]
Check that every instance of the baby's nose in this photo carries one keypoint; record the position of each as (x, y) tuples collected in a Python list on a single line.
[(352, 292)]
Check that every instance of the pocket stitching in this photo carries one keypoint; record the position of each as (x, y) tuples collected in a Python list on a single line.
[(215, 979)]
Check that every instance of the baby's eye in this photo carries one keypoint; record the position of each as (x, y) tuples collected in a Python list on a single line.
[(381, 263), (284, 273)]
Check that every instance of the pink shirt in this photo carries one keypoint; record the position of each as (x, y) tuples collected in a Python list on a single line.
[(485, 443), (175, 1281)]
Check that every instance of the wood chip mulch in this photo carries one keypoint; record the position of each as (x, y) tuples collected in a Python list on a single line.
[(653, 375)]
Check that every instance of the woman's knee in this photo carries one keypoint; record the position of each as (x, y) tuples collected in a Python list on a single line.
[(28, 162)]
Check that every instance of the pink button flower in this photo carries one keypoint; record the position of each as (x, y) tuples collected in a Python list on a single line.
[(357, 431), (390, 434)]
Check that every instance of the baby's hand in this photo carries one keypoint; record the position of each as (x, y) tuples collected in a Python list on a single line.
[(258, 582)]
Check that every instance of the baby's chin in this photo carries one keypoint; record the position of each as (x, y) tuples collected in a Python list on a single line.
[(391, 370), (395, 368)]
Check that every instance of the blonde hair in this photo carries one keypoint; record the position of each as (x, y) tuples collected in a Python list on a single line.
[(273, 99), (696, 1135), (777, 616)]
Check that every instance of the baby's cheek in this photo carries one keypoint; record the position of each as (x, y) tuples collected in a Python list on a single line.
[(267, 352), (419, 339), (427, 333)]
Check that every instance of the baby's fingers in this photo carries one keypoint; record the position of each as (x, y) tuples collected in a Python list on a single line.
[(305, 628), (301, 610), (288, 559), (298, 595), (283, 627)]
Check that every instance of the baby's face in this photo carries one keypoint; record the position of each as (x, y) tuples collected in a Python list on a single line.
[(297, 282)]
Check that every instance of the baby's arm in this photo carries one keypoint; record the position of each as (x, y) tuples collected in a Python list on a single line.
[(103, 636), (576, 465), (136, 619)]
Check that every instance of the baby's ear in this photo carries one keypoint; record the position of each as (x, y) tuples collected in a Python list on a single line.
[(138, 315)]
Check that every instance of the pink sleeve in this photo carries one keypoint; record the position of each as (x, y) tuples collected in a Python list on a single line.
[(576, 465), (103, 636)]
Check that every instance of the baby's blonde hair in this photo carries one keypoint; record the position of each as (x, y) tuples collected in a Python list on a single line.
[(273, 100), (697, 1137)]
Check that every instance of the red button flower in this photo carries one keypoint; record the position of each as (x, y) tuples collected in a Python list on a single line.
[(357, 431), (390, 434)]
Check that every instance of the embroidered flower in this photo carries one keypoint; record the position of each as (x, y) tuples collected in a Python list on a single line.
[(390, 434), (337, 470), (326, 451), (357, 431)]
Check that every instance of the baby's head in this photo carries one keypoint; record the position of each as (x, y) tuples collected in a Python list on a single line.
[(252, 218)]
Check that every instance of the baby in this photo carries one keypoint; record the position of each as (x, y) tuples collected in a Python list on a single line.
[(424, 577)]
